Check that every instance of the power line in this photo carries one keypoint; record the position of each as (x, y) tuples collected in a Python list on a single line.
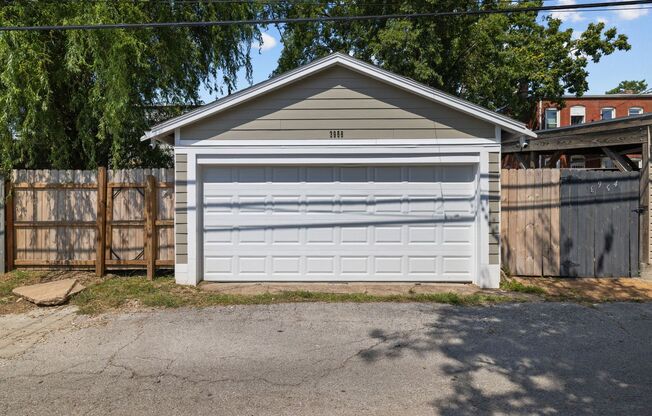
[(569, 7), (263, 2)]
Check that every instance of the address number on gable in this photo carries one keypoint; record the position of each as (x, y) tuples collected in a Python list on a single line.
[(337, 134)]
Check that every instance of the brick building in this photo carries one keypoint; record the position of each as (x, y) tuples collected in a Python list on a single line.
[(589, 108)]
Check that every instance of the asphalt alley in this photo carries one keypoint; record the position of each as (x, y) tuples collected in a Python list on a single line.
[(335, 359)]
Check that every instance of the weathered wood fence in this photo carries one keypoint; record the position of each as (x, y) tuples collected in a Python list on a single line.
[(116, 219), (567, 222), (530, 221)]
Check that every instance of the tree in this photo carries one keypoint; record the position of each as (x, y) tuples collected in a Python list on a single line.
[(629, 87), (81, 98), (506, 62)]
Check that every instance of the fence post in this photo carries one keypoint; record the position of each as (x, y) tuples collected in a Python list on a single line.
[(100, 243), (151, 205), (2, 229), (9, 212)]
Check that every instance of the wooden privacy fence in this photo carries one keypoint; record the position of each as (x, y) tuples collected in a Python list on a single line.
[(567, 222), (115, 219)]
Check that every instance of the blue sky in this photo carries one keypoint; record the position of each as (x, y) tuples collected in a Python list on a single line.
[(634, 64)]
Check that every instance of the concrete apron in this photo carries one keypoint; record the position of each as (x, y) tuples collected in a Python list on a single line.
[(378, 289)]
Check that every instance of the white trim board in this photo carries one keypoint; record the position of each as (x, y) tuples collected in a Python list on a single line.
[(165, 128), (459, 143), (339, 161)]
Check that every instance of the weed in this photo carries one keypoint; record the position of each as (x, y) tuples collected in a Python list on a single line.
[(9, 281), (516, 286)]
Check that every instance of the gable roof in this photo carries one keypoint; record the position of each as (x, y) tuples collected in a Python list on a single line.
[(167, 127)]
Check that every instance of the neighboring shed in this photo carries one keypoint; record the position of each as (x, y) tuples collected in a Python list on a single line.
[(338, 171)]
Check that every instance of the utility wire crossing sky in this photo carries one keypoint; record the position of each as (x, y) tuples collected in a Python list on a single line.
[(555, 8)]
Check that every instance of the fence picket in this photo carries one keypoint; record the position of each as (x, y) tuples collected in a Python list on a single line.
[(538, 221)]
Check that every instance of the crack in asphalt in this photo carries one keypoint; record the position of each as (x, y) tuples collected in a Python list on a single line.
[(617, 322)]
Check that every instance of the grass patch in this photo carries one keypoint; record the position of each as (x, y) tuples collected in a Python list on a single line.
[(9, 303), (116, 293), (516, 286), (9, 281)]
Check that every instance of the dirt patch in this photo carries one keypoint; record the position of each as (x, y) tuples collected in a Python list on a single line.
[(592, 289), (375, 289)]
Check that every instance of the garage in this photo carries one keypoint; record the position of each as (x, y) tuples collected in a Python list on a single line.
[(338, 171), (339, 223)]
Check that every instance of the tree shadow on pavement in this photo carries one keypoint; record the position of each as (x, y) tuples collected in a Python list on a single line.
[(509, 359)]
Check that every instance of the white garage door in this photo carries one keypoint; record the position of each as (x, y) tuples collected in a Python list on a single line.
[(320, 223)]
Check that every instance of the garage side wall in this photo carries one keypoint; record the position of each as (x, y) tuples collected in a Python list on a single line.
[(181, 208), (494, 208)]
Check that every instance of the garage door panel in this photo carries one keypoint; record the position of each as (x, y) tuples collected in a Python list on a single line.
[(320, 265), (219, 266), (250, 174), (285, 174), (458, 234), (325, 235), (218, 204), (422, 234), (459, 266), (244, 220), (388, 265), (337, 223), (255, 236), (329, 250), (458, 174), (440, 174), (355, 265), (221, 236), (286, 265), (286, 236), (427, 234), (320, 174), (423, 265), (388, 235), (355, 174), (323, 268), (252, 265)]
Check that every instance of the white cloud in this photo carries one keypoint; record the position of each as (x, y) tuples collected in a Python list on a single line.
[(269, 42), (631, 12), (601, 19), (567, 16)]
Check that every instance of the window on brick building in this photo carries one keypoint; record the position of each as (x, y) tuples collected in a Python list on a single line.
[(607, 113), (634, 111), (577, 114), (551, 118)]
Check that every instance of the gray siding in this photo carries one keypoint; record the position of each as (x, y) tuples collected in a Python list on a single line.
[(494, 208), (181, 208), (343, 100)]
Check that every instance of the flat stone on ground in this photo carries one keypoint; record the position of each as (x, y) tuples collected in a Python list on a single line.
[(50, 293)]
